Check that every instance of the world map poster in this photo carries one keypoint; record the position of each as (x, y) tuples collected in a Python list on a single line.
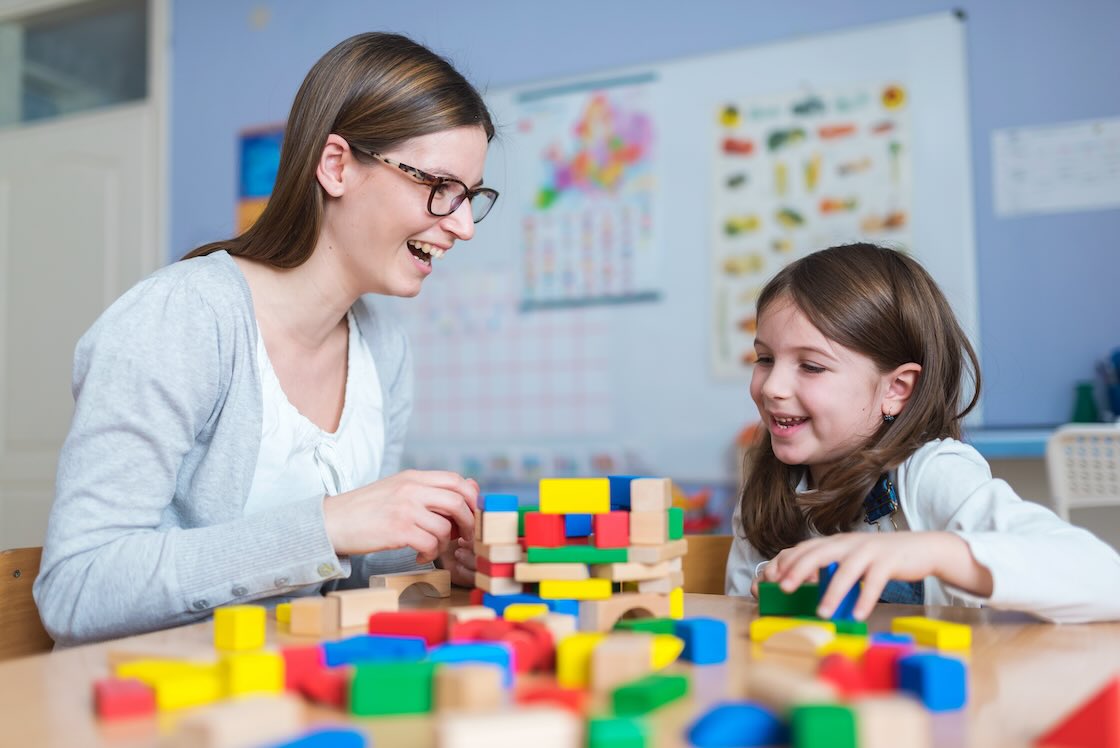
[(587, 228)]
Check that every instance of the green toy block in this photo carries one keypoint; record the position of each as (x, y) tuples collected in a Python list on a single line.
[(855, 628), (646, 694), (380, 688), (576, 554), (651, 625), (616, 732), (676, 523), (521, 512), (823, 726), (772, 601)]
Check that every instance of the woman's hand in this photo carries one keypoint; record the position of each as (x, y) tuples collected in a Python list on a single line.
[(419, 509), (877, 558)]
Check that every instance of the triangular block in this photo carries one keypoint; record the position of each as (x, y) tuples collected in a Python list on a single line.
[(1094, 724)]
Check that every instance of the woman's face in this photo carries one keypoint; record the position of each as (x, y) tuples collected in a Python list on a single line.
[(380, 227)]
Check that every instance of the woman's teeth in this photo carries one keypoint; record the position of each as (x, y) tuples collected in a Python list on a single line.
[(427, 249)]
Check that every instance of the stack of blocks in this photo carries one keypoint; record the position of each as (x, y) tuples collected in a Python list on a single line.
[(598, 547)]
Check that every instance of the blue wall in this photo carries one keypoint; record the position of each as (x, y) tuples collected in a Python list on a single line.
[(1049, 303)]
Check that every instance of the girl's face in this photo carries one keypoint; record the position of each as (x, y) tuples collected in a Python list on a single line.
[(380, 226), (819, 400)]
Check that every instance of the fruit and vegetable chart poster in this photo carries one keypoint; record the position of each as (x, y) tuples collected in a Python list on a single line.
[(795, 173), (587, 167)]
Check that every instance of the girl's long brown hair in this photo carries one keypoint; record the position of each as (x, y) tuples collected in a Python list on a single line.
[(880, 303), (376, 91)]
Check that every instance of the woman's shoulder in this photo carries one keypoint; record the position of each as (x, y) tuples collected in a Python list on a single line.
[(381, 328), (214, 278)]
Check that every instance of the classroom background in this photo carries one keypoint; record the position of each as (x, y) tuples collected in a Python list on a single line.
[(640, 369)]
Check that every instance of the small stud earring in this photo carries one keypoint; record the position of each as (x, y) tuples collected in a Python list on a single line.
[(888, 418)]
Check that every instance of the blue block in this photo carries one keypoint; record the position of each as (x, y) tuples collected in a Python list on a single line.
[(374, 648), (738, 723), (498, 653), (886, 637), (330, 737), (497, 502), (577, 525), (705, 640), (843, 611), (499, 603), (620, 490), (941, 683)]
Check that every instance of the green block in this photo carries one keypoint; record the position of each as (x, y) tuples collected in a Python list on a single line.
[(576, 554), (521, 512), (392, 688), (615, 732), (676, 523), (646, 694), (651, 625), (823, 726), (855, 628), (772, 601)]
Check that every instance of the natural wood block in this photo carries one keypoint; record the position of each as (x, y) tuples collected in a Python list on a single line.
[(499, 554), (620, 658), (800, 640), (560, 625), (527, 572), (630, 571), (469, 687), (498, 528), (240, 723), (497, 585), (780, 688), (649, 528), (463, 613), (601, 615), (889, 721), (664, 585), (355, 606), (650, 554), (314, 616), (651, 494), (433, 583), (540, 727)]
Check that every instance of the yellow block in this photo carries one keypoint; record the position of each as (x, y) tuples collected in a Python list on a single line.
[(582, 589), (849, 645), (931, 633), (239, 627), (676, 603), (666, 649), (575, 496), (524, 611), (766, 626), (176, 684), (284, 613), (252, 673), (573, 659)]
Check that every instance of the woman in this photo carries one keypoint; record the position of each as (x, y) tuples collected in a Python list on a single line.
[(240, 415)]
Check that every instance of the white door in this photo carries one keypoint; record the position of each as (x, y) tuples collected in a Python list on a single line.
[(81, 203)]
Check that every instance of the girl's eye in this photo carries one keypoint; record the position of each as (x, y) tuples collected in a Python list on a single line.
[(812, 368), (764, 360)]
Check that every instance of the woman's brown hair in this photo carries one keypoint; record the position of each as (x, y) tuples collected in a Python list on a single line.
[(880, 303), (376, 91)]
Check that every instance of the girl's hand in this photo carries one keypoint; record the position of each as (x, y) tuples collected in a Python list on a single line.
[(416, 509), (459, 559), (876, 559)]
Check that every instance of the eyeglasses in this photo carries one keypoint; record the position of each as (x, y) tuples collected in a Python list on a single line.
[(447, 193)]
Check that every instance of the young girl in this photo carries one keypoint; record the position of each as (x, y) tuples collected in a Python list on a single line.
[(860, 382), (240, 414)]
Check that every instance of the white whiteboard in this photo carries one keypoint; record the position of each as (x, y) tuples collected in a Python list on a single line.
[(657, 407)]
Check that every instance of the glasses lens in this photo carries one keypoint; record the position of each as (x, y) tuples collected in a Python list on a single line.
[(446, 196), (481, 203)]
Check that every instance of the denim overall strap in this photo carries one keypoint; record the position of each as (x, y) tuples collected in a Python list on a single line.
[(881, 502)]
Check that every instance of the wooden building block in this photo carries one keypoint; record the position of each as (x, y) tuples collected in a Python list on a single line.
[(931, 633), (312, 616), (649, 528), (1093, 724), (246, 673), (773, 601), (601, 615), (584, 589), (463, 613), (430, 625), (354, 607), (433, 583), (662, 586), (619, 658), (651, 495), (676, 603), (497, 528), (649, 693), (845, 611), (202, 685), (652, 554), (374, 648), (239, 627), (301, 663), (527, 572), (118, 698), (616, 732), (879, 665), (890, 721), (666, 649), (843, 673), (541, 693), (491, 569), (560, 625), (573, 659), (849, 645), (329, 687), (472, 687), (780, 688), (805, 641), (705, 640), (575, 495), (544, 530), (676, 523), (384, 688), (824, 725), (284, 613), (611, 530), (497, 585), (651, 625), (498, 502), (241, 723), (763, 628), (941, 683), (631, 571), (738, 723), (524, 611), (499, 554), (538, 726), (576, 554), (499, 653)]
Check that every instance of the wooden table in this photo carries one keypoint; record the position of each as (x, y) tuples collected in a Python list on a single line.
[(1023, 676)]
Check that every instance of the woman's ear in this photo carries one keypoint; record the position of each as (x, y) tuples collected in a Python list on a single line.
[(900, 386), (332, 159)]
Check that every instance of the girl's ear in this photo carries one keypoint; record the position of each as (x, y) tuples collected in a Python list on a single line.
[(335, 153), (900, 386)]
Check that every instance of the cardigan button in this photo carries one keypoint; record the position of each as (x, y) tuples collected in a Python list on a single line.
[(326, 570), (240, 591), (201, 604)]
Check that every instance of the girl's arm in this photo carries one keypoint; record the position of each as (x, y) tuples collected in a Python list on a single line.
[(743, 561)]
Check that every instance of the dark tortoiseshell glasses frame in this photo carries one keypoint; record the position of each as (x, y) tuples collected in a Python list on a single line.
[(447, 193)]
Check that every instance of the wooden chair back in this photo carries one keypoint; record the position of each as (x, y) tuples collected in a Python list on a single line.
[(21, 630), (705, 564)]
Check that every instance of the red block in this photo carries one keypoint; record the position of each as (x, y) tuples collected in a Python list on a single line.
[(611, 530), (430, 624), (301, 662), (114, 698), (531, 642), (551, 693), (544, 530), (1094, 724), (476, 596), (843, 673), (329, 686), (880, 665), (493, 570)]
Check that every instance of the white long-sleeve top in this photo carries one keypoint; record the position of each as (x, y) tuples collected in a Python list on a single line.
[(1039, 563)]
